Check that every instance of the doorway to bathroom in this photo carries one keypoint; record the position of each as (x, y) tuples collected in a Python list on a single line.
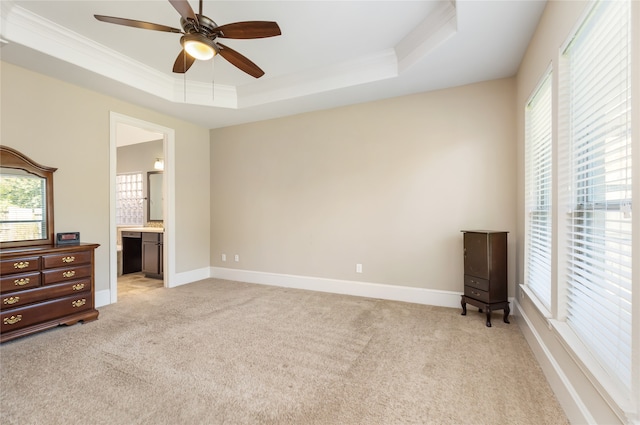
[(141, 216)]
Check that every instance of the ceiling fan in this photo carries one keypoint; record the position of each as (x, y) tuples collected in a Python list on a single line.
[(199, 37)]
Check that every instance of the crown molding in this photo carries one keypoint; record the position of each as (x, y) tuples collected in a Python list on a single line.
[(30, 30), (20, 26), (433, 31), (374, 67)]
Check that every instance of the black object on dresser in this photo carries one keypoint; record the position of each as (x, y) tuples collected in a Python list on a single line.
[(485, 272)]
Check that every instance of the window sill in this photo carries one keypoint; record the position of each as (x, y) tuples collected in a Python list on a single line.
[(544, 312), (614, 393)]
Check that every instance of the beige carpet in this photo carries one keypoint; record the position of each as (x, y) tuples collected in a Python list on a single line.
[(220, 352)]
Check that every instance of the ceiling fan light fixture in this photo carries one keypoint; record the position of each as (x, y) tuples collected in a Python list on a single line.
[(198, 46)]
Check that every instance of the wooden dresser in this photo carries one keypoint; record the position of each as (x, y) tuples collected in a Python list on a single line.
[(45, 286), (485, 272)]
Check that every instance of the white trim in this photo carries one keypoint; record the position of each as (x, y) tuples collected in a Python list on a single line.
[(544, 312), (567, 395), (439, 26), (190, 277), (605, 385), (169, 246), (21, 26), (345, 287), (102, 298)]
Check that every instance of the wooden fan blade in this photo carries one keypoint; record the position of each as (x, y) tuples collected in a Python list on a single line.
[(136, 24), (183, 63), (240, 61), (184, 9), (249, 29)]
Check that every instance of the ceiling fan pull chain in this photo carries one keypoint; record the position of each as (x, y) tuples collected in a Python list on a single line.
[(213, 79), (184, 78)]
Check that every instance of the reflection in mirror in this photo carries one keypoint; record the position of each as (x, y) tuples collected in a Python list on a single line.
[(23, 206), (154, 196), (26, 200)]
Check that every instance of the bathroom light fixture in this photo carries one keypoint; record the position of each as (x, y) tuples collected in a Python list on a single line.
[(159, 164), (198, 46)]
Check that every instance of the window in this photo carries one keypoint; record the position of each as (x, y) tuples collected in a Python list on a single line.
[(538, 118), (597, 251), (129, 199)]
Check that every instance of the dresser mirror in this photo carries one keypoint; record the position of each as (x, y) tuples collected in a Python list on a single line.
[(26, 201), (154, 196)]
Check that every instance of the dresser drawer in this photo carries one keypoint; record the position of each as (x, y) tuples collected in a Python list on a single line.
[(33, 314), (17, 282), (67, 274), (477, 294), (19, 265), (65, 260), (30, 296), (474, 282)]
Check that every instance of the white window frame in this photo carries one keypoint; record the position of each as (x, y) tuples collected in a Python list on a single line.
[(539, 191)]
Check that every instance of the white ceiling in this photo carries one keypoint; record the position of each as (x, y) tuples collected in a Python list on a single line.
[(330, 53)]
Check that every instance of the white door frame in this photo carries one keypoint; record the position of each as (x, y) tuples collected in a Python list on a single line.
[(168, 186)]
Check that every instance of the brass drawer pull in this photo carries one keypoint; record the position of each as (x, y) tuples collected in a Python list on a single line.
[(21, 265), (79, 303), (78, 286), (70, 273), (11, 300), (69, 259), (12, 320), (475, 293), (21, 282)]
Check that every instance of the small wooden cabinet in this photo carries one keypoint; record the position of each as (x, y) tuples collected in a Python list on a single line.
[(152, 254), (485, 272), (44, 286)]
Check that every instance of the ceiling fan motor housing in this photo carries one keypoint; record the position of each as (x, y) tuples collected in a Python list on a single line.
[(205, 26)]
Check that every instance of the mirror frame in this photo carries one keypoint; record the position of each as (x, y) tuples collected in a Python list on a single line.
[(149, 192), (11, 158)]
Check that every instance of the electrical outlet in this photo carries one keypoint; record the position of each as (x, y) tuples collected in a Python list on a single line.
[(358, 268), (236, 258), (224, 257)]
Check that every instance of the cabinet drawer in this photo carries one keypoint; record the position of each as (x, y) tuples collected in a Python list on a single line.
[(477, 283), (61, 275), (152, 237), (30, 296), (33, 314), (66, 259), (17, 282), (19, 265), (477, 294)]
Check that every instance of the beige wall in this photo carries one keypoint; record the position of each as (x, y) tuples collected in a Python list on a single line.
[(579, 396), (65, 126), (387, 184)]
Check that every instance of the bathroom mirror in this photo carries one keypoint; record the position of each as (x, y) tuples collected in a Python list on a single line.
[(26, 201), (154, 196)]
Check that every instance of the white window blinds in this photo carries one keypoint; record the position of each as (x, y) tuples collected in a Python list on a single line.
[(538, 118), (598, 231)]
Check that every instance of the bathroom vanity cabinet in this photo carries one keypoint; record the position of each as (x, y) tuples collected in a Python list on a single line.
[(152, 255)]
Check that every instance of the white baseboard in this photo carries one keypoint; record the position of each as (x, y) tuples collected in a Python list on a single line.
[(103, 298), (346, 287), (567, 395), (189, 277)]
